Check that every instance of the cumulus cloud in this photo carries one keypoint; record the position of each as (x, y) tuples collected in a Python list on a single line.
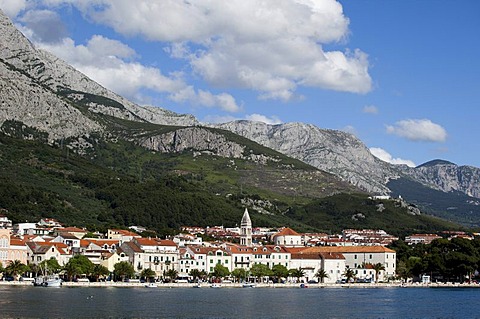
[(12, 7), (418, 130), (262, 118), (107, 61), (370, 109), (271, 46), (47, 26), (387, 157), (273, 120)]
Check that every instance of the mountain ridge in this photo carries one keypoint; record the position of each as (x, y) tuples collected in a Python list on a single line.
[(51, 96)]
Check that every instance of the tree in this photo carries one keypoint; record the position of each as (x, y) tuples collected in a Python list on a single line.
[(50, 266), (239, 274), (148, 274), (260, 270), (123, 270), (349, 275), (15, 268), (100, 271), (297, 273), (280, 271), (220, 271), (377, 268), (321, 274), (171, 274), (78, 265), (195, 273)]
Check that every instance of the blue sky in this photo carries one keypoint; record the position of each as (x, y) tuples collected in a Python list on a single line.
[(403, 76)]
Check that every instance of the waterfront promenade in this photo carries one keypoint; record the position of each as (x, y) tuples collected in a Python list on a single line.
[(258, 285)]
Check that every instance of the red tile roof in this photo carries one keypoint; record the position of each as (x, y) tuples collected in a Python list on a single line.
[(287, 232)]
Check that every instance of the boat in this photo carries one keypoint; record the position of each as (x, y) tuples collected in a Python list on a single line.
[(199, 285), (248, 285), (215, 285), (48, 281), (303, 286), (151, 285)]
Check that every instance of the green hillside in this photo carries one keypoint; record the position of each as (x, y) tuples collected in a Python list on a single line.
[(118, 184)]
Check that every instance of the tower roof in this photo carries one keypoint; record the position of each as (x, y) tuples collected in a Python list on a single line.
[(246, 221)]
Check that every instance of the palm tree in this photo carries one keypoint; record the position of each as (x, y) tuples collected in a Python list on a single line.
[(378, 267), (297, 273), (148, 274), (15, 268), (195, 273), (349, 274), (171, 273), (321, 275), (100, 270)]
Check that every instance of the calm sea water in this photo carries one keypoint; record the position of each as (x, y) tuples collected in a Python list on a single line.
[(39, 302)]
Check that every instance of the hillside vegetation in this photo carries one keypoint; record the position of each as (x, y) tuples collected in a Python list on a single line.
[(118, 184)]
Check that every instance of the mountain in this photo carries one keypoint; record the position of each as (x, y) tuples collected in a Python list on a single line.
[(45, 99)]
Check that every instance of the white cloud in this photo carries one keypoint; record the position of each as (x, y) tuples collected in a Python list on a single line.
[(272, 46), (273, 120), (418, 130), (112, 64), (370, 109), (46, 25), (12, 7), (262, 118), (387, 157), (350, 129)]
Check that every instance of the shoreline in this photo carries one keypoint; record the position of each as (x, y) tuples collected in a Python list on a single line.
[(239, 285)]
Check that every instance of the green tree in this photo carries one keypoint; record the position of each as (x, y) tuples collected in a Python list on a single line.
[(297, 273), (239, 274), (78, 265), (148, 274), (280, 271), (50, 266), (123, 270), (349, 275), (196, 274), (15, 268), (259, 271), (171, 274), (321, 274), (100, 271), (220, 271), (378, 267)]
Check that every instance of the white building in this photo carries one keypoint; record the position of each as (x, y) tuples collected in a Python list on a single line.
[(357, 257), (156, 254), (289, 238)]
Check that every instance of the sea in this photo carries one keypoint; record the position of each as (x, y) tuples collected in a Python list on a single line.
[(115, 302)]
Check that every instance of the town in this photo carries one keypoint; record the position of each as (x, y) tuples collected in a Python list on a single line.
[(237, 254)]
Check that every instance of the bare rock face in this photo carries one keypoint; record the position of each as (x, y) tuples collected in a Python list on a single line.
[(336, 152), (447, 177), (40, 90)]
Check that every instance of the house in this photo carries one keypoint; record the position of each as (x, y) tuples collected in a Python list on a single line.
[(5, 222), (209, 257), (421, 239), (4, 246), (122, 235), (22, 228), (271, 255), (288, 237), (40, 251), (79, 233), (153, 253), (356, 257), (68, 239), (311, 262), (109, 259), (50, 223), (242, 256)]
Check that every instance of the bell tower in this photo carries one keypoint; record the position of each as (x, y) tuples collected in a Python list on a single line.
[(246, 230)]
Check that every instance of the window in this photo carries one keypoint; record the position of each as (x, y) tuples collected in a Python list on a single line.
[(226, 261), (371, 256), (211, 261), (354, 256)]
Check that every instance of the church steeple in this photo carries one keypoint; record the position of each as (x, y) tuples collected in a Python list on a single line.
[(246, 230)]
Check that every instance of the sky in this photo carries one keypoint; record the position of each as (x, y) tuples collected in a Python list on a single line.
[(401, 75)]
